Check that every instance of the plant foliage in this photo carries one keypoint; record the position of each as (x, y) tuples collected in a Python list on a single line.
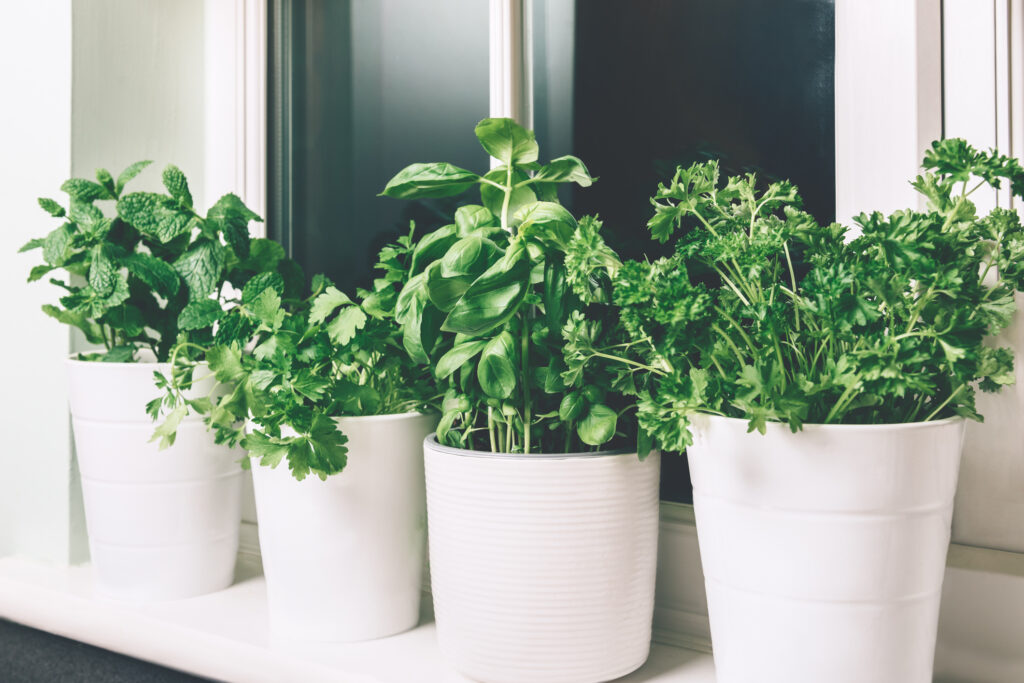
[(764, 314), (284, 368), (152, 272), (510, 306)]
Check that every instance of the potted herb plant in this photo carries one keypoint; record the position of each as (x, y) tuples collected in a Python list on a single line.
[(320, 387), (820, 384), (160, 525), (543, 521)]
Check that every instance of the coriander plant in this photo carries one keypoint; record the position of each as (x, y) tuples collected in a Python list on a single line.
[(764, 314), (509, 305), (150, 273), (286, 367)]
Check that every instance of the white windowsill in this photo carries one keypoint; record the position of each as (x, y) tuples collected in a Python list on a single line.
[(224, 635)]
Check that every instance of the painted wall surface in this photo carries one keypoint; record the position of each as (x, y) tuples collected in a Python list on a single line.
[(138, 88), (979, 85), (35, 136)]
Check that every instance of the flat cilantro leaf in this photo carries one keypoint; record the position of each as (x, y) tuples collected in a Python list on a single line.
[(343, 328), (325, 304)]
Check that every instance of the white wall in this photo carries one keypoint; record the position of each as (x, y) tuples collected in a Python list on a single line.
[(888, 81), (139, 88), (979, 106), (85, 83), (35, 136)]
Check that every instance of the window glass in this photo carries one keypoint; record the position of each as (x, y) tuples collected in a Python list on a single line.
[(635, 89), (359, 89)]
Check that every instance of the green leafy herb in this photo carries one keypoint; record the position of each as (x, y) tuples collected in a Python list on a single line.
[(510, 306), (153, 273), (763, 314), (286, 366)]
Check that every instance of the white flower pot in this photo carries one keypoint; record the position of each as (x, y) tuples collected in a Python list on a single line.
[(542, 567), (162, 524), (343, 557), (824, 550)]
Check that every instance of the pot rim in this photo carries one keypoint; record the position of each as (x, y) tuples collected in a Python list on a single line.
[(146, 360), (381, 417), (432, 442), (817, 426)]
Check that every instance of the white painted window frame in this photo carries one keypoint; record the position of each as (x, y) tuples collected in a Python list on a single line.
[(888, 97)]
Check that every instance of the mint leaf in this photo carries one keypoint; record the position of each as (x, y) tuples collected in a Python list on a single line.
[(129, 173), (255, 286), (107, 181), (102, 272), (57, 246), (51, 207), (200, 314), (201, 267), (83, 190), (156, 273), (232, 217), (154, 215), (177, 185)]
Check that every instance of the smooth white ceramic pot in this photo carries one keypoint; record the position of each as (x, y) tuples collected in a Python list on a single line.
[(343, 557), (162, 524), (542, 567), (824, 550)]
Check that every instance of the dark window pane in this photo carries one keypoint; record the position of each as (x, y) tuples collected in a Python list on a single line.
[(637, 88), (360, 90)]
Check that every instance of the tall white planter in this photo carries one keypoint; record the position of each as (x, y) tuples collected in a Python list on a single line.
[(824, 550), (542, 567), (162, 524), (343, 557)]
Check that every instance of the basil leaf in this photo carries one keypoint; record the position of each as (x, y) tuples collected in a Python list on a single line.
[(494, 297), (419, 181)]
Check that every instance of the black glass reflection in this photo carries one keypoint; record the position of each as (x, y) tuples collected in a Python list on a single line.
[(360, 90), (659, 83)]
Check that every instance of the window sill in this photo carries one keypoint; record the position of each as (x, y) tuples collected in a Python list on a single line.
[(224, 635)]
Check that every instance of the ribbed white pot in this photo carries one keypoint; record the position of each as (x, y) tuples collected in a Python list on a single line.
[(542, 567), (824, 550), (343, 557), (162, 524)]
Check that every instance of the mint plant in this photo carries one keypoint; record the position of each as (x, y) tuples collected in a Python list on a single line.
[(763, 314), (509, 305), (150, 270), (286, 367)]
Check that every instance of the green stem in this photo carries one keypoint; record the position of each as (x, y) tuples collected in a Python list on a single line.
[(490, 428), (508, 198), (525, 381), (627, 361), (944, 403), (792, 279)]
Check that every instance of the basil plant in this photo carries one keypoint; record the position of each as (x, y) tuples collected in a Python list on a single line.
[(510, 306)]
